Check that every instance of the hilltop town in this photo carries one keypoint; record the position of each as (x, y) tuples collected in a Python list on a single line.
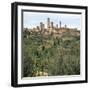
[(51, 50), (53, 29)]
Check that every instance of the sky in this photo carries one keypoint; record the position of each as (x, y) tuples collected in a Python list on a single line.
[(33, 19)]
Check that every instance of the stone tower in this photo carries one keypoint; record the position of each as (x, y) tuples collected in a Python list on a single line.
[(60, 24), (38, 28), (56, 26), (48, 23), (41, 26), (52, 25), (65, 26)]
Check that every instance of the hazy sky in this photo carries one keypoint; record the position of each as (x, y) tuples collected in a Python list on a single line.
[(33, 19)]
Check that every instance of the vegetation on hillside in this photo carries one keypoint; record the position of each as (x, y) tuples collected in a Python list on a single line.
[(49, 56)]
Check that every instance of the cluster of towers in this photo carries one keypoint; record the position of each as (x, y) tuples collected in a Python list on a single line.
[(50, 25)]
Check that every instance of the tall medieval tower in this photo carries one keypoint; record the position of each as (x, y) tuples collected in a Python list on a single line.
[(60, 24), (48, 23)]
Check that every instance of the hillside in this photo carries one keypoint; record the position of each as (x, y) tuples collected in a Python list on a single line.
[(51, 54)]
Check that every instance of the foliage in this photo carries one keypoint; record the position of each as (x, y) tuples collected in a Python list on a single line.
[(55, 56)]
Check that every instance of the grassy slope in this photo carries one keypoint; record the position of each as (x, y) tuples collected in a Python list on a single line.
[(55, 56)]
